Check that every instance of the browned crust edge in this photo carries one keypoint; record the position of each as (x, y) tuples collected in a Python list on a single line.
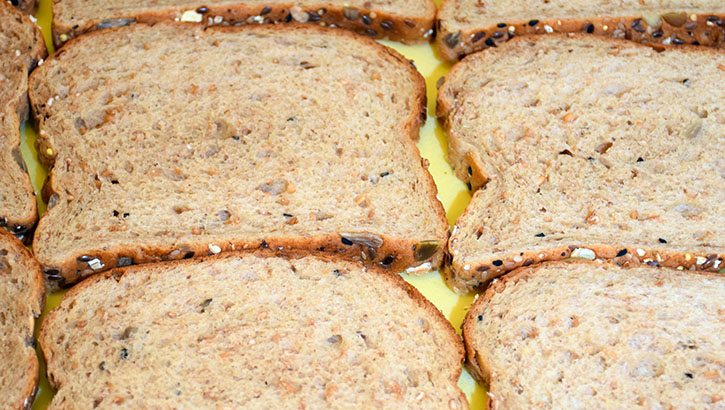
[(704, 29), (21, 225), (402, 251), (484, 268), (36, 298), (394, 280), (478, 365), (373, 23)]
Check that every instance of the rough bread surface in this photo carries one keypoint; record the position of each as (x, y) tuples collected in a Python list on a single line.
[(22, 294), (585, 335), (465, 26), (21, 46), (172, 141), (405, 20), (252, 331), (587, 147), (28, 6)]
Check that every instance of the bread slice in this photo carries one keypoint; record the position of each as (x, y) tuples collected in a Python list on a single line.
[(465, 26), (587, 147), (402, 20), (253, 331), (21, 46), (28, 6), (22, 295), (285, 137), (583, 335)]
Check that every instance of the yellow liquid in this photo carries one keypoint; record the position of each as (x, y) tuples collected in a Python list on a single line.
[(433, 146)]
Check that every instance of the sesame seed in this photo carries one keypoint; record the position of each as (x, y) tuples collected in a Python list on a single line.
[(214, 248), (640, 252)]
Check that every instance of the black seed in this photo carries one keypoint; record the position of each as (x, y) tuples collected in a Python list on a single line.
[(189, 254), (264, 244), (534, 22), (287, 215), (346, 241), (695, 43), (265, 10), (501, 25), (489, 42), (677, 41), (662, 240), (370, 32), (313, 16), (126, 215), (497, 262), (235, 137), (590, 158), (497, 35), (566, 152), (115, 213), (622, 252), (3, 221), (102, 365), (528, 262), (336, 272), (288, 18), (657, 34), (384, 174), (563, 254), (468, 184), (52, 273), (409, 23), (386, 25), (470, 171), (451, 39), (124, 353), (85, 258), (640, 159), (638, 26), (478, 36), (388, 260), (202, 10), (124, 261), (480, 318), (540, 235), (590, 28), (367, 20), (689, 375)]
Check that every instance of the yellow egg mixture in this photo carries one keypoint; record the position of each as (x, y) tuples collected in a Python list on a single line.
[(433, 146)]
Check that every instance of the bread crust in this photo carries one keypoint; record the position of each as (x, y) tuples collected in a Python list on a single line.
[(700, 29), (382, 26), (36, 298), (464, 277), (117, 274), (481, 368), (401, 250), (16, 111)]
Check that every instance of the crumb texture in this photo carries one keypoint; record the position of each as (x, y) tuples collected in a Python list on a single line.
[(248, 331), (586, 335), (21, 295), (21, 45), (587, 147), (178, 141)]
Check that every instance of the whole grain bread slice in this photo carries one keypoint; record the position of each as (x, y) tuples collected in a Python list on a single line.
[(22, 295), (587, 147), (251, 330), (402, 20), (582, 335), (21, 46), (28, 6), (173, 141), (465, 26)]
